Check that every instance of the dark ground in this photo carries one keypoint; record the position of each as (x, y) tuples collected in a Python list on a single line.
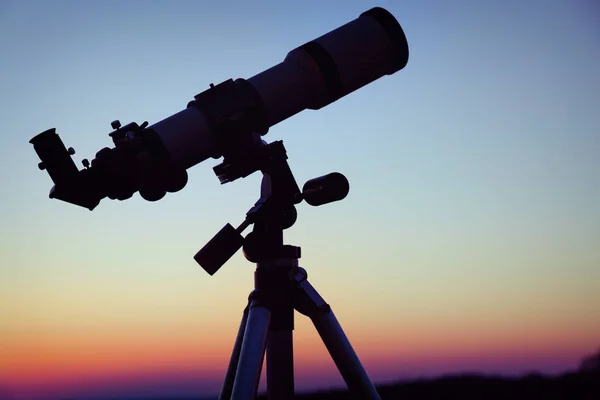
[(572, 386), (569, 386)]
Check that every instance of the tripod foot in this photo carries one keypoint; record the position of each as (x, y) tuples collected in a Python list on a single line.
[(311, 304)]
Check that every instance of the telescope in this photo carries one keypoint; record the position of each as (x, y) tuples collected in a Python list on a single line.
[(220, 121), (229, 120)]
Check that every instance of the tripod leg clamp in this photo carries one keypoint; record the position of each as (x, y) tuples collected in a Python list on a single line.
[(307, 300)]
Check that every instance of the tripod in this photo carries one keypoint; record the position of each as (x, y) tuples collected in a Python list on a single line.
[(280, 284)]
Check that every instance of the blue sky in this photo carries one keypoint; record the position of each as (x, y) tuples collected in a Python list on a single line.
[(474, 171)]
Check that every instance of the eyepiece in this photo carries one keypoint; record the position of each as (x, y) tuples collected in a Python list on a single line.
[(56, 159)]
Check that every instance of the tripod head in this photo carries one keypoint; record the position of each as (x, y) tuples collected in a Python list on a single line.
[(274, 211)]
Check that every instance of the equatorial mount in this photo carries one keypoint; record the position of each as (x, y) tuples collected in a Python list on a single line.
[(274, 211)]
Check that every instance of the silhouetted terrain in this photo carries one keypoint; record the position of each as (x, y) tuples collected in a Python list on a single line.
[(569, 386), (580, 384), (584, 383)]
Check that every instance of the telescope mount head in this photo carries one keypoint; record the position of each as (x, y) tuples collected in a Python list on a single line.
[(273, 212)]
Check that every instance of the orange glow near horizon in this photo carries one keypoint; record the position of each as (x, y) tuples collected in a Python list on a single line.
[(469, 240), (60, 360)]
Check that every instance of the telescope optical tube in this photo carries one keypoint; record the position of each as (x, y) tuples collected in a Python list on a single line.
[(227, 119), (310, 77), (321, 71)]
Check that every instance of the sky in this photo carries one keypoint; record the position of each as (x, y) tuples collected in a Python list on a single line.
[(469, 241)]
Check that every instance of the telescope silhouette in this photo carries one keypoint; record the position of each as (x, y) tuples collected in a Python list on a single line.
[(229, 120), (219, 121)]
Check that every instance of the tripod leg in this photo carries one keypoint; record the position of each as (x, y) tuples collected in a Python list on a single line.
[(252, 352), (227, 388), (310, 303), (280, 354)]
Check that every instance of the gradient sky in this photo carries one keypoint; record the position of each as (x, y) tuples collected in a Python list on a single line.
[(470, 240)]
